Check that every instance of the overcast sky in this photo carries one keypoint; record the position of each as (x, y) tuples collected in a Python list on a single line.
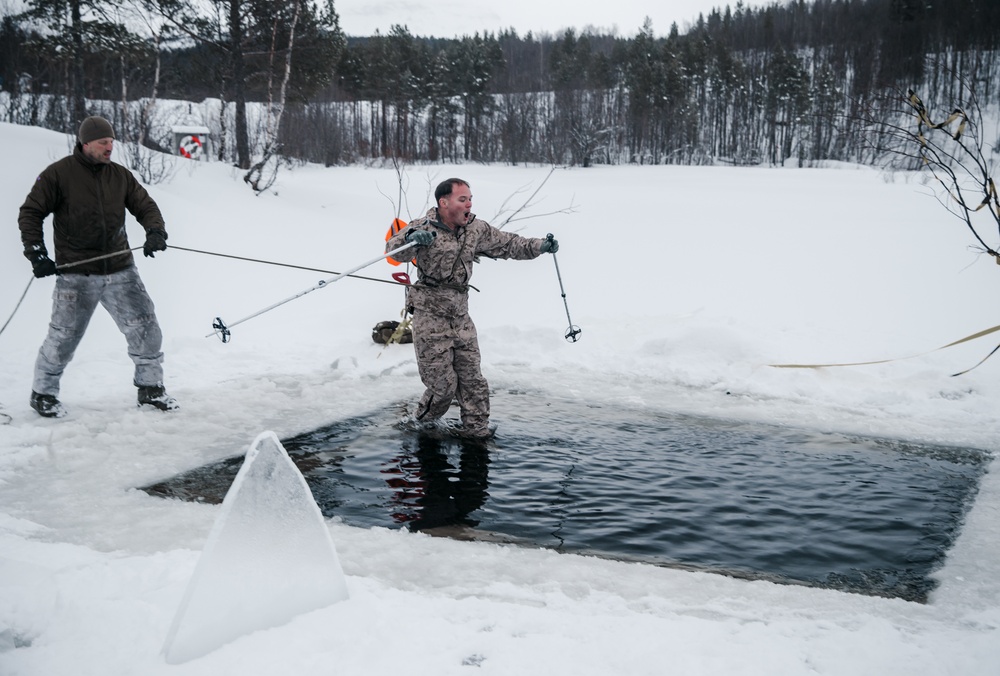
[(449, 18)]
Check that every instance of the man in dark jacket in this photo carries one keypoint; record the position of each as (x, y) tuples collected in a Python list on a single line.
[(450, 239), (88, 194)]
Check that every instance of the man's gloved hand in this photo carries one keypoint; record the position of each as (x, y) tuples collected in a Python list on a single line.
[(156, 240), (421, 237), (550, 245), (42, 266)]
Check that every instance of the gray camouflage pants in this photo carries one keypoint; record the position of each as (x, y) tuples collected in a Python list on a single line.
[(448, 358), (74, 300)]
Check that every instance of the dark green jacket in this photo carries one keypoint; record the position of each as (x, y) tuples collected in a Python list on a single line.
[(88, 202)]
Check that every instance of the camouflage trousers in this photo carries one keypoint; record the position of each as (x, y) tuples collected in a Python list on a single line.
[(448, 359), (74, 300)]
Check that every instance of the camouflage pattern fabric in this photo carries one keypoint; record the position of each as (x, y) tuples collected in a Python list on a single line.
[(444, 337), (448, 359)]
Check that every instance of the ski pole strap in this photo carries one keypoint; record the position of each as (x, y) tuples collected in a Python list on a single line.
[(974, 336)]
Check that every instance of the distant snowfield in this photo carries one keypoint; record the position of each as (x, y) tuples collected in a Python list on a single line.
[(451, 18), (687, 282)]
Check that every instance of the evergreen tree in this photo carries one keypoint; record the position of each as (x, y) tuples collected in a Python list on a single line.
[(73, 26)]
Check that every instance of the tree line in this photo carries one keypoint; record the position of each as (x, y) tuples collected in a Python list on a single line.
[(794, 81)]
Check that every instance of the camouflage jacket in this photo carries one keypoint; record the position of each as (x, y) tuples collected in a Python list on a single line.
[(445, 267)]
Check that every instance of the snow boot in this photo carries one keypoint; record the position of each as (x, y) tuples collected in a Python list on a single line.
[(157, 397), (46, 405)]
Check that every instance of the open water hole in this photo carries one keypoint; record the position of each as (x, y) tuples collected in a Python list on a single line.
[(857, 514)]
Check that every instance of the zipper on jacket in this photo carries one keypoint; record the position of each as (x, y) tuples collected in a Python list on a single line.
[(104, 226)]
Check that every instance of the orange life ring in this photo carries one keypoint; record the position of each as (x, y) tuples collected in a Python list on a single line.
[(397, 225)]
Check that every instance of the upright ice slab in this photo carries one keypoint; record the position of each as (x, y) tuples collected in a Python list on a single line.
[(268, 558)]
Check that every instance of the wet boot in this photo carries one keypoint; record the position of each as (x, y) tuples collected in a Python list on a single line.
[(46, 405), (475, 427), (157, 397)]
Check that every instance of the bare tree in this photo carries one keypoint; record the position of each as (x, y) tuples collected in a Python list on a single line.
[(264, 172), (152, 167), (951, 149), (510, 215), (70, 22), (224, 30)]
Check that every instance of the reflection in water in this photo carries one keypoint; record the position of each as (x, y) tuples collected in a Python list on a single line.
[(428, 491), (850, 513)]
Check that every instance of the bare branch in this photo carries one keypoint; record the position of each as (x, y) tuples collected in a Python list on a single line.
[(949, 146), (528, 204), (270, 159)]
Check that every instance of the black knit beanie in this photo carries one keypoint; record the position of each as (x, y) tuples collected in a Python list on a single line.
[(93, 128)]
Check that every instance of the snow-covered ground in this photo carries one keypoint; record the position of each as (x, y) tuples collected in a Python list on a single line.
[(445, 18), (687, 283)]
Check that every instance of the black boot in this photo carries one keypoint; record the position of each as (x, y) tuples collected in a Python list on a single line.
[(46, 405), (156, 396)]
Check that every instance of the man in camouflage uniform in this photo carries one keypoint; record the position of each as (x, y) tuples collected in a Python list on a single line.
[(449, 239)]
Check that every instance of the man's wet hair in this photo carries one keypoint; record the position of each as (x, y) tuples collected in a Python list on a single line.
[(445, 187)]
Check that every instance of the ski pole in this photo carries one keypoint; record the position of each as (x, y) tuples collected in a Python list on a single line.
[(4, 328), (221, 329), (97, 258), (284, 265), (61, 267), (573, 332)]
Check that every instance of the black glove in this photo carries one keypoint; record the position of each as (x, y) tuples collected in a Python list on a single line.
[(42, 266), (156, 240), (421, 237), (550, 245)]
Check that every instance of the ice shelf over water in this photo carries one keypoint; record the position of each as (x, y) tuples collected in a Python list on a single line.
[(268, 558)]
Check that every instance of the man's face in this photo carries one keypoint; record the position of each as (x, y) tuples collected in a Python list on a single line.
[(99, 150), (454, 209)]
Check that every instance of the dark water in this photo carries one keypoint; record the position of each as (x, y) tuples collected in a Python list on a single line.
[(850, 513)]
